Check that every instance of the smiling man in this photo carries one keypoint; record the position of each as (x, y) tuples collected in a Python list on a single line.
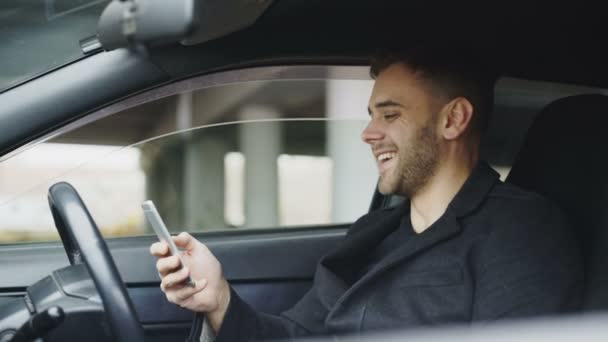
[(463, 247), (427, 119)]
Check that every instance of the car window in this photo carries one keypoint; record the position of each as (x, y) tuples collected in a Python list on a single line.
[(260, 148), (255, 154)]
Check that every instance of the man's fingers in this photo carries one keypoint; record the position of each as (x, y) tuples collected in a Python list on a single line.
[(167, 265), (181, 294), (159, 249), (185, 241), (175, 278)]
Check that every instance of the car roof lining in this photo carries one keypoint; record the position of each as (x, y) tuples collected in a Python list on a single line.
[(558, 48)]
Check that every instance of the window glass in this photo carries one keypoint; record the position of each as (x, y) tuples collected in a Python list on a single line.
[(261, 154)]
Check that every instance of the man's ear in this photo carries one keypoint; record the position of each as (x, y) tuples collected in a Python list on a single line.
[(457, 115)]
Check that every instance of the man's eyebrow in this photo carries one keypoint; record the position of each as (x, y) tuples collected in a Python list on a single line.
[(384, 104)]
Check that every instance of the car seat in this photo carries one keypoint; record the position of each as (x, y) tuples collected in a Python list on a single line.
[(565, 158)]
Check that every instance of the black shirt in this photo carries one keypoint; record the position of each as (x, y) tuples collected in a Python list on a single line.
[(397, 238)]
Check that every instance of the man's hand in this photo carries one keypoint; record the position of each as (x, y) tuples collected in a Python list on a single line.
[(211, 293)]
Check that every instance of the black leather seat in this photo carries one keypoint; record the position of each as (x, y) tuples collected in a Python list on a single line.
[(565, 158)]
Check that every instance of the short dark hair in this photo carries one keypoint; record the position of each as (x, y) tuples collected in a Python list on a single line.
[(450, 72)]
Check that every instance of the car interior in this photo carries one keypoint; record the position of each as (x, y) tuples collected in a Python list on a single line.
[(545, 134)]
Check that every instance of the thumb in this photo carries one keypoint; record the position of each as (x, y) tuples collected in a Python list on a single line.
[(200, 284), (185, 241)]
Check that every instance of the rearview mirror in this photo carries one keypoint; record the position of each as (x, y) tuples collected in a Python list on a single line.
[(127, 22)]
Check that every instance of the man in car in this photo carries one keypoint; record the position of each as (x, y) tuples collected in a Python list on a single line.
[(464, 247)]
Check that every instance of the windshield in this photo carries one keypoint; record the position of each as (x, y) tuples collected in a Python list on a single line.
[(41, 35)]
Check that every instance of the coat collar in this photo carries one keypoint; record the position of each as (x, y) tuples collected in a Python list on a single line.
[(474, 190), (338, 266)]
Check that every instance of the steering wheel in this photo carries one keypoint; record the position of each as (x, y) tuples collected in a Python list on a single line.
[(81, 238)]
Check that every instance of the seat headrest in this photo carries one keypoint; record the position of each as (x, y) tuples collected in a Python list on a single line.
[(565, 158)]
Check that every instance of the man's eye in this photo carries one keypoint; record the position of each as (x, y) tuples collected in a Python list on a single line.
[(391, 115)]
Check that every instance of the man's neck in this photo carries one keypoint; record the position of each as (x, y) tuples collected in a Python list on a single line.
[(430, 202)]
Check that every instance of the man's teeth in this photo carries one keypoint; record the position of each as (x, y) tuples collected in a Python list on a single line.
[(385, 156)]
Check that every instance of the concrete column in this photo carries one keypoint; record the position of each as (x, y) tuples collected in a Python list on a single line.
[(204, 181), (183, 111), (202, 170), (163, 168), (260, 143), (185, 177), (354, 172), (190, 166), (163, 163)]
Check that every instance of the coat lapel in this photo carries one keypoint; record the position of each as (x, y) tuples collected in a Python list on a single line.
[(336, 271), (446, 227)]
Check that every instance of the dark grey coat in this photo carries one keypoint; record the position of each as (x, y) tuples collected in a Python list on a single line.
[(497, 252)]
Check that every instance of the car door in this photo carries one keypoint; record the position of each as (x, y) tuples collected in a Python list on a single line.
[(263, 165)]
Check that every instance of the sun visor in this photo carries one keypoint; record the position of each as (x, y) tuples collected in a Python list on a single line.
[(217, 18)]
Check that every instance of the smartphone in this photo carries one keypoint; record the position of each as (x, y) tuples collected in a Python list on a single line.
[(161, 231)]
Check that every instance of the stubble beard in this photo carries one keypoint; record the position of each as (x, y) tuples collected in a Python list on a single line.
[(417, 164)]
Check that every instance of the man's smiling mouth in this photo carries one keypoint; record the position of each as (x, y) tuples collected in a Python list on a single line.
[(386, 156), (385, 160)]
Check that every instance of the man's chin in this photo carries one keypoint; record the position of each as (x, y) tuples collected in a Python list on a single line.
[(386, 189)]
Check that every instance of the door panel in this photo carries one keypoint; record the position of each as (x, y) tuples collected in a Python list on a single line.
[(270, 269), (270, 254)]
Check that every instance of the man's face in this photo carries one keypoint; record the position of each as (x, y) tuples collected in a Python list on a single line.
[(402, 131)]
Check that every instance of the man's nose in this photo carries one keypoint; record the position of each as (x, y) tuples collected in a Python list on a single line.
[(372, 133)]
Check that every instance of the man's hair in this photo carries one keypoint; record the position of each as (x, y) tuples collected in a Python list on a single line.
[(451, 73)]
